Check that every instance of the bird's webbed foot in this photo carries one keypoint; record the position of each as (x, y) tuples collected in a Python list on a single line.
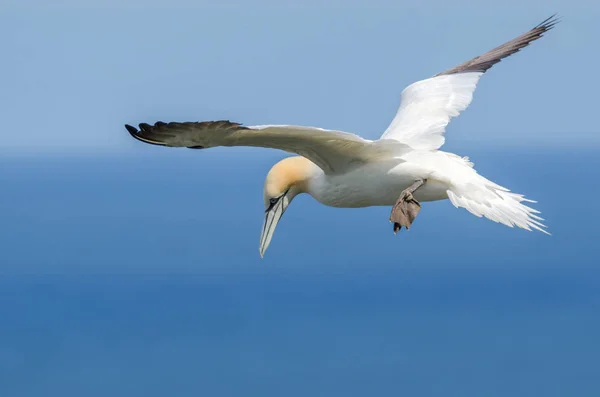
[(406, 208)]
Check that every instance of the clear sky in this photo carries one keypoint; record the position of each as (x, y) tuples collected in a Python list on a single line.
[(75, 72), (133, 270)]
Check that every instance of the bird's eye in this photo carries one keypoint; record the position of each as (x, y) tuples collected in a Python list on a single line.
[(273, 200)]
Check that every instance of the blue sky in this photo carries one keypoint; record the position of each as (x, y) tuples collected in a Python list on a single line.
[(76, 72)]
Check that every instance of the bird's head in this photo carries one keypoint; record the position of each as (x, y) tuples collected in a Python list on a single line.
[(285, 180)]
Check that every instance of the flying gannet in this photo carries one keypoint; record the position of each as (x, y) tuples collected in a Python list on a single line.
[(401, 169)]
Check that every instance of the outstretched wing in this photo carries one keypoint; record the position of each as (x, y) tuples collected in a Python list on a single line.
[(427, 106), (333, 151)]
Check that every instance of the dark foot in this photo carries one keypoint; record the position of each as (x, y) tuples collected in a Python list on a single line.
[(406, 208)]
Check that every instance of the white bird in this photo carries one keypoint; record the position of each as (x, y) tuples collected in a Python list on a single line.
[(402, 168)]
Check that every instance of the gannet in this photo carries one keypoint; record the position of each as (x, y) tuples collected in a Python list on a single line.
[(401, 169)]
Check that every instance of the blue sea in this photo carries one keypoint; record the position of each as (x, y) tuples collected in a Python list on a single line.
[(139, 275)]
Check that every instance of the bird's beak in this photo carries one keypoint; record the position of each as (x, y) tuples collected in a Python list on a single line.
[(272, 217)]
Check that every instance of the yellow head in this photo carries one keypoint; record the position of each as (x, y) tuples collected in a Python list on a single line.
[(285, 180)]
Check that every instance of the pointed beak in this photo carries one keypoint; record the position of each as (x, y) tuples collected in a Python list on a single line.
[(272, 217)]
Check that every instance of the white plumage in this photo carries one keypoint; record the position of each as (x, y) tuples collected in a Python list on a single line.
[(438, 99)]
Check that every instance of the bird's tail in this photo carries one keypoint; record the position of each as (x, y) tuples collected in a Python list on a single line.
[(482, 197)]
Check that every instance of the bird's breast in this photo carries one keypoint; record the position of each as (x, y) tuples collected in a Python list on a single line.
[(378, 184)]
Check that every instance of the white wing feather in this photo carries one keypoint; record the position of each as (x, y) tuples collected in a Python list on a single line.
[(427, 107)]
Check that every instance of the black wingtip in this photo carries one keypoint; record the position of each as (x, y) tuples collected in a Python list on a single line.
[(131, 129), (549, 22), (137, 134)]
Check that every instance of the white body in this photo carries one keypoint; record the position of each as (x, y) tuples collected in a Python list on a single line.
[(381, 183), (447, 175)]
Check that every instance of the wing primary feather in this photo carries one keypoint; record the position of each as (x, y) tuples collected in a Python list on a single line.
[(159, 133), (136, 134), (484, 62)]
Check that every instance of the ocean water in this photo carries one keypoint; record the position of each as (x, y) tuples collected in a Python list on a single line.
[(140, 276)]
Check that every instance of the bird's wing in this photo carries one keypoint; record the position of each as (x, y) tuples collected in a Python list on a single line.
[(427, 106), (333, 151)]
